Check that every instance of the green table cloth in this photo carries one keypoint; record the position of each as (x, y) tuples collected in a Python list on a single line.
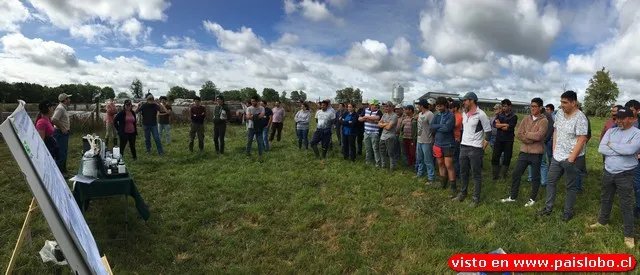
[(106, 187)]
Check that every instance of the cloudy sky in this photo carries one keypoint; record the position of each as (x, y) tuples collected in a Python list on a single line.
[(497, 48)]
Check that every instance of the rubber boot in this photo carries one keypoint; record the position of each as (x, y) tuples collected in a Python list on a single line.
[(324, 153), (315, 151), (444, 182), (454, 189), (496, 172)]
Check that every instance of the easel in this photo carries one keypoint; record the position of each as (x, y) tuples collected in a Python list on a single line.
[(25, 230)]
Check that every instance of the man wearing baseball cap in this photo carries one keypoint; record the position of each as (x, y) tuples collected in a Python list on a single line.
[(370, 117), (620, 146), (62, 125), (424, 145), (475, 123)]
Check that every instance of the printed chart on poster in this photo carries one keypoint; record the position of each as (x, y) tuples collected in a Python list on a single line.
[(52, 193)]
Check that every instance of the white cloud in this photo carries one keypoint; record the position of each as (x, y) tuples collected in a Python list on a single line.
[(44, 53), (431, 68), (453, 31), (290, 6), (174, 42), (12, 12), (374, 56), (92, 34), (580, 64), (340, 4), (68, 13), (288, 39), (244, 41)]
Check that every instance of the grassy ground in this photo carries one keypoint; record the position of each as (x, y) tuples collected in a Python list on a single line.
[(230, 214)]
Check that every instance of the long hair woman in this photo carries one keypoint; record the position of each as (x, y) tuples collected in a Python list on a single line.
[(125, 124), (302, 118), (45, 127)]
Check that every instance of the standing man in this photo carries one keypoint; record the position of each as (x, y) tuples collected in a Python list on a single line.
[(255, 125), (474, 123), (164, 121), (610, 123), (268, 115), (531, 133), (360, 137), (277, 121), (424, 147), (324, 121), (388, 148), (505, 125), (457, 134), (221, 114), (409, 132), (198, 113), (149, 111), (339, 114), (399, 110), (371, 116), (60, 120), (634, 106), (569, 139), (443, 124), (620, 146), (112, 110)]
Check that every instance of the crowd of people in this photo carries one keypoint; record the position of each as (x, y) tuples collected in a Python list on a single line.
[(432, 134)]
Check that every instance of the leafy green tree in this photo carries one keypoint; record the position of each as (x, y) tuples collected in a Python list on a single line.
[(270, 95), (348, 95), (107, 92), (123, 95), (248, 93), (601, 94), (303, 96), (180, 92), (136, 88), (234, 95), (295, 96), (208, 91)]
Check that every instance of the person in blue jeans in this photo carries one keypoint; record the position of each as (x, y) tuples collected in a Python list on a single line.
[(424, 145), (268, 116), (149, 111), (255, 125), (302, 118), (546, 158)]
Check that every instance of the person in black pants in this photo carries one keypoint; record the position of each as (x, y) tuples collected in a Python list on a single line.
[(350, 130), (506, 125), (360, 126), (125, 123), (220, 115)]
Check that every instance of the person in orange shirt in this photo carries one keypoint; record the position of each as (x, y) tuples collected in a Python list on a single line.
[(457, 133)]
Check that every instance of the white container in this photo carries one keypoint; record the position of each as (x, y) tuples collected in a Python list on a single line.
[(122, 169), (89, 167), (116, 152)]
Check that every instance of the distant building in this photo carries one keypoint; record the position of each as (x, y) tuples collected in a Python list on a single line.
[(483, 103)]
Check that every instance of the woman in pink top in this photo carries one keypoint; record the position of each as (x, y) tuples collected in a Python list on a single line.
[(125, 124), (45, 127)]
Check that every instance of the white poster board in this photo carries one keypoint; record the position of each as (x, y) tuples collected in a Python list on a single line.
[(52, 193)]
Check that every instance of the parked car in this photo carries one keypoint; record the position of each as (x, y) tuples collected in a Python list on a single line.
[(237, 112)]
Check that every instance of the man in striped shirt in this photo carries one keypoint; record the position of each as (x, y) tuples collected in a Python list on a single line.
[(371, 116)]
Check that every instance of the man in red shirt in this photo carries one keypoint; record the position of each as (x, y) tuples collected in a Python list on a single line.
[(610, 122)]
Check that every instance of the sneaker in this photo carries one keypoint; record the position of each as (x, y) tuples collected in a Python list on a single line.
[(544, 212), (629, 242), (474, 203), (428, 183), (529, 203), (596, 225), (567, 217), (509, 199)]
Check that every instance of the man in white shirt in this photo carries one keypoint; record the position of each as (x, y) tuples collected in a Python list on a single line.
[(569, 138), (324, 119), (474, 122)]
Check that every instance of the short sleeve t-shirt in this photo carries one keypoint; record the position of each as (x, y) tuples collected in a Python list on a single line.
[(149, 114), (44, 124), (163, 118), (474, 125), (325, 119), (424, 127), (567, 130), (256, 112), (386, 118)]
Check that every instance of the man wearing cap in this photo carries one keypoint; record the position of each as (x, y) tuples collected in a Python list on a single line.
[(424, 146), (409, 133), (324, 122), (619, 146), (365, 106), (388, 148), (474, 123), (505, 125), (371, 116), (149, 111), (60, 120)]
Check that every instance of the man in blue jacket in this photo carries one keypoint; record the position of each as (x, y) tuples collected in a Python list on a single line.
[(443, 147)]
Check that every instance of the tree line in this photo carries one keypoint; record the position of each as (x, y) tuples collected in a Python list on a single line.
[(33, 92)]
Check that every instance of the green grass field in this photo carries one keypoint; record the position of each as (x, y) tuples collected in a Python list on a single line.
[(290, 214)]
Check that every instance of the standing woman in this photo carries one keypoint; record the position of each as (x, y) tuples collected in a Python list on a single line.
[(303, 116), (45, 127), (350, 130), (125, 123)]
